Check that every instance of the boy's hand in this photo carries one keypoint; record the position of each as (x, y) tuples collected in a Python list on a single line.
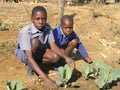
[(88, 60), (70, 62), (50, 84)]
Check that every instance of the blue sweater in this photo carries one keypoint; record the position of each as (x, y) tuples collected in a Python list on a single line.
[(61, 40)]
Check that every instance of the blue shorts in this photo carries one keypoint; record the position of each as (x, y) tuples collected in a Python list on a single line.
[(38, 58), (22, 57)]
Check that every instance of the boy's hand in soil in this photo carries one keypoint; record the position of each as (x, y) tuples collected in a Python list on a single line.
[(70, 62), (50, 84)]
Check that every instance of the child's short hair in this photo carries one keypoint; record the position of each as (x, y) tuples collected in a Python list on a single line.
[(39, 8), (66, 17)]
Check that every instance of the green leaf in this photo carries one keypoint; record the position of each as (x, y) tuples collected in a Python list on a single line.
[(86, 68), (68, 72), (100, 81), (117, 71), (59, 82), (114, 75), (13, 84), (8, 83), (64, 74), (2, 26), (61, 72), (94, 69), (104, 68), (19, 85), (18, 25), (92, 75)]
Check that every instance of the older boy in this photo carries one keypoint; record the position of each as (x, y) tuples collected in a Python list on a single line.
[(67, 39), (36, 44)]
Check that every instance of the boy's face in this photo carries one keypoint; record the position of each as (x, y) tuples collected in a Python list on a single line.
[(39, 19), (67, 27)]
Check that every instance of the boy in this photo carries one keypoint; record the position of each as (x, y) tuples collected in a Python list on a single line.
[(36, 44), (67, 39)]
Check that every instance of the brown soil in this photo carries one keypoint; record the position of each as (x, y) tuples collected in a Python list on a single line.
[(98, 27)]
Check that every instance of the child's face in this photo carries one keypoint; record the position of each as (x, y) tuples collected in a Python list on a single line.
[(67, 27), (39, 19)]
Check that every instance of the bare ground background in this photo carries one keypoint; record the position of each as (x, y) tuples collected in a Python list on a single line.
[(98, 27)]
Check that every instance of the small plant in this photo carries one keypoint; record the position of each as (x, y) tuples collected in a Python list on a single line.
[(2, 26), (64, 74), (90, 70), (18, 25), (35, 1), (104, 75), (14, 85)]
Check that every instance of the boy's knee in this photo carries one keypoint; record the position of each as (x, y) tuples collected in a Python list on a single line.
[(55, 58), (73, 42)]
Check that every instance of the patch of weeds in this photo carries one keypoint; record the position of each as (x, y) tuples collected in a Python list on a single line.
[(16, 25)]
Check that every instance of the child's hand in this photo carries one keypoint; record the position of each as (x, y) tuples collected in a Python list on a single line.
[(50, 84), (70, 62), (88, 60)]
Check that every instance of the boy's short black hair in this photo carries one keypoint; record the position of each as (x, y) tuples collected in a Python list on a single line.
[(66, 17), (39, 8)]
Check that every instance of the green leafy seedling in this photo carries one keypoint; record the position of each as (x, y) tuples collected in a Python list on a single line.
[(90, 70), (64, 74), (14, 85), (104, 75), (2, 26), (18, 25)]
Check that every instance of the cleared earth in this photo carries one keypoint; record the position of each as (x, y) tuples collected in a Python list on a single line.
[(98, 27)]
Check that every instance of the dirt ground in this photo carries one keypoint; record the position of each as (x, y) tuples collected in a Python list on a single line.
[(98, 27)]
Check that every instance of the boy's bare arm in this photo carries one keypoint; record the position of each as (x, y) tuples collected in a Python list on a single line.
[(49, 83), (57, 50)]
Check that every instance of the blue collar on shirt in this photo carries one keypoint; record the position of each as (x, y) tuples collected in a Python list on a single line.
[(62, 32)]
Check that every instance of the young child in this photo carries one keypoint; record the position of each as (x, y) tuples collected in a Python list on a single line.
[(36, 44), (67, 39)]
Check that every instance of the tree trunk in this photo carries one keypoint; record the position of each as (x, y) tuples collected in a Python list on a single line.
[(61, 10)]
